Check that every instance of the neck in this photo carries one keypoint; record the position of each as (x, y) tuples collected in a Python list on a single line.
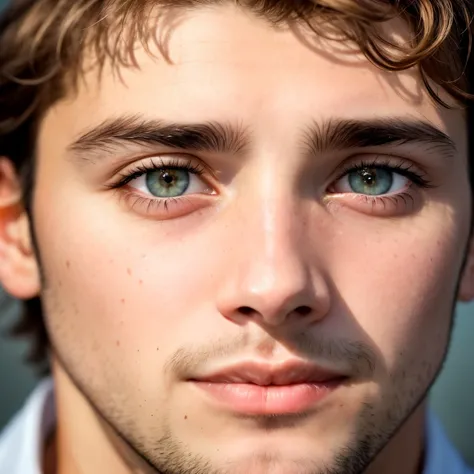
[(82, 445), (405, 452)]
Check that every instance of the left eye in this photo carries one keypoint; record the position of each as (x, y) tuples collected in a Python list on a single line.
[(371, 181), (169, 183)]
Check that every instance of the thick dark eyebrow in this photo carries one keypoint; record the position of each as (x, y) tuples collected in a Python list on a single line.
[(334, 134), (112, 133), (344, 134)]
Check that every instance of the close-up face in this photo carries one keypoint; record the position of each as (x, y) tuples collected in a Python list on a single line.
[(250, 246)]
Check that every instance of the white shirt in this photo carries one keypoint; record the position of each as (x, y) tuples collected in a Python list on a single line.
[(22, 440)]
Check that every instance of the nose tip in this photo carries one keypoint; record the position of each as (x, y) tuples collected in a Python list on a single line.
[(288, 296)]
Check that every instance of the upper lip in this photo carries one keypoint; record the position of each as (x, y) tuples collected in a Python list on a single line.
[(287, 373)]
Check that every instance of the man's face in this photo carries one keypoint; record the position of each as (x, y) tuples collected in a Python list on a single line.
[(184, 272)]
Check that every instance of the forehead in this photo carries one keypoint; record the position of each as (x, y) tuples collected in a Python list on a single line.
[(223, 63)]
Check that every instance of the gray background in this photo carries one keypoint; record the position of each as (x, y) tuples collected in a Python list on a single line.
[(452, 397)]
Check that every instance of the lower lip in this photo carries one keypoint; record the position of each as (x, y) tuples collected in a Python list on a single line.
[(253, 399)]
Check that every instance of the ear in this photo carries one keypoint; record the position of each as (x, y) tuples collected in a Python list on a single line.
[(466, 285), (19, 272)]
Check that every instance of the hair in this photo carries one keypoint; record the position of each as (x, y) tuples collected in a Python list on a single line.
[(43, 45)]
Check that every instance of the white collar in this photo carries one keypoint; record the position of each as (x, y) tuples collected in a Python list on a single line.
[(22, 441)]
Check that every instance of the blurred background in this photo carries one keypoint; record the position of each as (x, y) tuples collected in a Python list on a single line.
[(451, 398)]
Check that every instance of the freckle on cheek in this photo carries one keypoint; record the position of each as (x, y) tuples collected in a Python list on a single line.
[(68, 264), (117, 343), (185, 417), (122, 300), (129, 271)]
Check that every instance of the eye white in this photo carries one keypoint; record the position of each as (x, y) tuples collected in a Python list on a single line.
[(196, 185), (399, 183)]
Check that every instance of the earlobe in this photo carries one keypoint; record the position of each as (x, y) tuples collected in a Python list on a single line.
[(466, 285), (19, 273)]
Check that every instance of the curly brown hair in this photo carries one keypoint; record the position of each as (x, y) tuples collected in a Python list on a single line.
[(42, 45)]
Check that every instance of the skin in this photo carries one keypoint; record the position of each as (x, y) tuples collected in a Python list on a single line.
[(127, 291)]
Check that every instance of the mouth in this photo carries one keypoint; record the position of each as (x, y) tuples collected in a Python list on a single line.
[(260, 389)]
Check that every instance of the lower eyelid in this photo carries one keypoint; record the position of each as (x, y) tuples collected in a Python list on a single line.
[(388, 205), (163, 208)]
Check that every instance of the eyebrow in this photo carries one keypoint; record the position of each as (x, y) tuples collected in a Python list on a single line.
[(209, 136), (319, 137), (345, 134)]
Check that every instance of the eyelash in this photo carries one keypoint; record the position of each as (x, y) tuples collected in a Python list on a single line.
[(404, 169), (154, 205), (407, 170), (141, 169)]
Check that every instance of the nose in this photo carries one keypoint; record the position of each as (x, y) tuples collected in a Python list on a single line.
[(270, 277)]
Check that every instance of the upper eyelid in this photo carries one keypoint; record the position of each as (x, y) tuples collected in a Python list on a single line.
[(394, 168), (377, 159), (388, 161), (165, 161), (149, 164)]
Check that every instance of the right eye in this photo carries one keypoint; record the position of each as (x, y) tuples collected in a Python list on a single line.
[(165, 189), (373, 181), (169, 182)]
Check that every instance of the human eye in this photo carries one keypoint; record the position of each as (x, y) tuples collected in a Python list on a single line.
[(380, 186), (165, 187)]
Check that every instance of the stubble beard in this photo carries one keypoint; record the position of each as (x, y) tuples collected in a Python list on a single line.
[(168, 455)]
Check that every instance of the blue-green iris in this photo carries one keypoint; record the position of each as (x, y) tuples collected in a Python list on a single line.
[(167, 182), (371, 181)]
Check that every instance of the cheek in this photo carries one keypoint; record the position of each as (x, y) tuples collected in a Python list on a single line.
[(115, 285), (398, 282)]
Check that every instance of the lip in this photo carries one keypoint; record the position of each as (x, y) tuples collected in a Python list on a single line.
[(264, 389)]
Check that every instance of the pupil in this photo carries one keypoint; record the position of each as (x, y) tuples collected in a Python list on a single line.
[(168, 182), (372, 181), (369, 177), (167, 177)]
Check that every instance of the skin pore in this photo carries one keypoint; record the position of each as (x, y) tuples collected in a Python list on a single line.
[(275, 251)]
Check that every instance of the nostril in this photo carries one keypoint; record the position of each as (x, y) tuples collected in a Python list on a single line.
[(303, 310), (300, 310)]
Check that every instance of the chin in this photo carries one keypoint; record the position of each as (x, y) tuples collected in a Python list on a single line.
[(269, 463), (278, 455)]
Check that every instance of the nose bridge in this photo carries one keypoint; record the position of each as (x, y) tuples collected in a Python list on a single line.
[(270, 276), (271, 213), (275, 230)]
